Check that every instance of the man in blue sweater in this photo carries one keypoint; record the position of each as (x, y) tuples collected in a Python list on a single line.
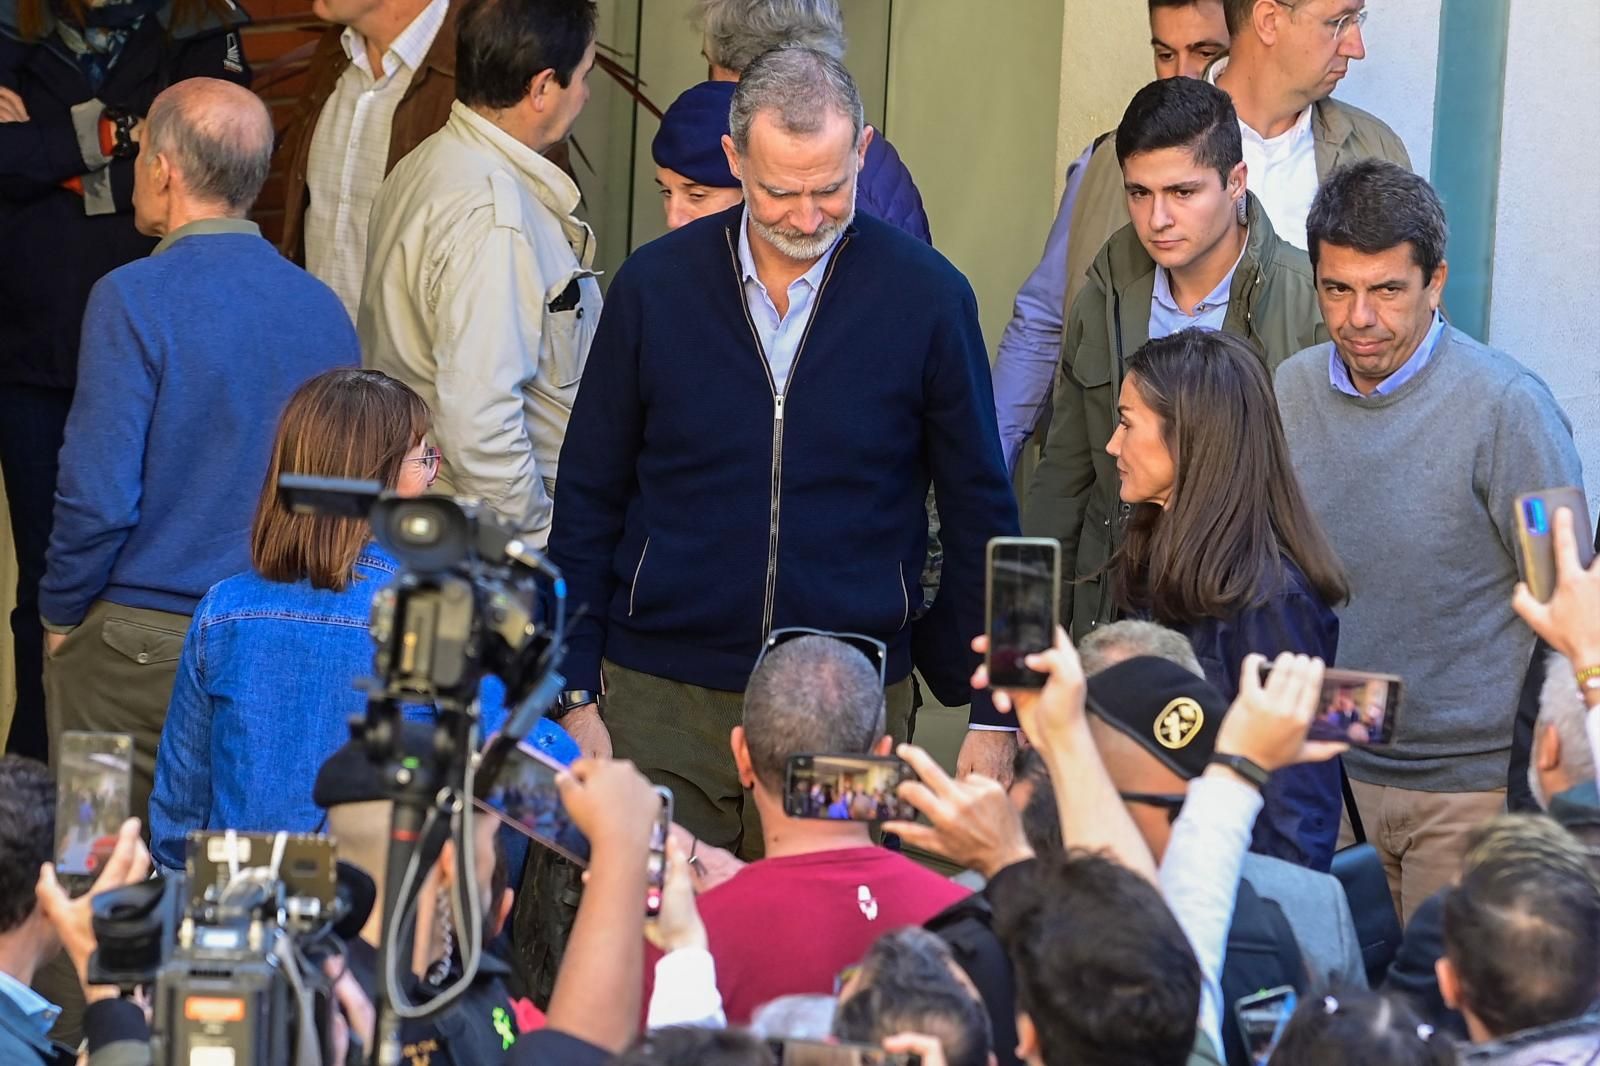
[(769, 392), (187, 360)]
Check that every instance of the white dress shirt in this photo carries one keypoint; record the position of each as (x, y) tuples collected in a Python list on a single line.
[(350, 151), (1282, 171)]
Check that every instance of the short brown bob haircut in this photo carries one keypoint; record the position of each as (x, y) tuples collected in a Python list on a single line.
[(345, 423)]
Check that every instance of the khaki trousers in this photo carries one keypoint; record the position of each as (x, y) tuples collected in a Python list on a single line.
[(1419, 835), (114, 673), (678, 736)]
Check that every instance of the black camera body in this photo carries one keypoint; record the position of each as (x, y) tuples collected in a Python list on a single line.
[(220, 992)]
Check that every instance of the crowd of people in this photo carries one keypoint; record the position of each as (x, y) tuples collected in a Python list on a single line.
[(1260, 441)]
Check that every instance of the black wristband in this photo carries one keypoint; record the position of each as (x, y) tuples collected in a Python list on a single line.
[(569, 701), (123, 145), (1249, 770)]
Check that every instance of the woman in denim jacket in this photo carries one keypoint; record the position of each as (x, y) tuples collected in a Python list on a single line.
[(265, 685), (1222, 546)]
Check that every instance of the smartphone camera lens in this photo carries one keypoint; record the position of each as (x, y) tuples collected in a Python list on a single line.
[(1534, 514)]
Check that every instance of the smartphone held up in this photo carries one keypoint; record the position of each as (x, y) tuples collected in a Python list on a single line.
[(1023, 597), (93, 783), (1536, 546), (850, 788), (1356, 707)]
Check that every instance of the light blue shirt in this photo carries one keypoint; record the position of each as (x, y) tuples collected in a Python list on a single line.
[(40, 1012), (780, 335), (1339, 374), (1167, 318)]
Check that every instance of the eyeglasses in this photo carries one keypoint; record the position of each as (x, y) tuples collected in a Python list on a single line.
[(430, 463), (1340, 26), (1171, 803), (876, 651)]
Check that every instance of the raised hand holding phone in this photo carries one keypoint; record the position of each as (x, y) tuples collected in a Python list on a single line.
[(1570, 621), (970, 820), (1269, 721)]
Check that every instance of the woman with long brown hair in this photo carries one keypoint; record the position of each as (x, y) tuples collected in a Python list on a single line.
[(264, 690), (1222, 546)]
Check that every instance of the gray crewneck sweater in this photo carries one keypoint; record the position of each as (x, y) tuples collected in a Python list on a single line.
[(1416, 490)]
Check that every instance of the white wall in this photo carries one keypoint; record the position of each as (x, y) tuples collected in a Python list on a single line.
[(1548, 224), (1396, 80)]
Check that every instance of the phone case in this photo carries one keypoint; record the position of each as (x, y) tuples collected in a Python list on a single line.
[(988, 588), (1535, 522)]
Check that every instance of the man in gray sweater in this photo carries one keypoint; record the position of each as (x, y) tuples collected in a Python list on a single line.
[(1412, 441)]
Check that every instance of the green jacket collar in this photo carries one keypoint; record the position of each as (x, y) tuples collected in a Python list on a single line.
[(202, 226)]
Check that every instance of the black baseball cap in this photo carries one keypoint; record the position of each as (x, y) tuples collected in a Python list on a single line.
[(1168, 711), (351, 776)]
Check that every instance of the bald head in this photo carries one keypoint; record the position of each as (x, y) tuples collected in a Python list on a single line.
[(217, 136)]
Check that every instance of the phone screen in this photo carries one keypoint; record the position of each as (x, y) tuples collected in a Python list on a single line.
[(93, 780), (1261, 1019), (1356, 707), (816, 1053), (853, 788), (519, 784), (656, 863), (1024, 606)]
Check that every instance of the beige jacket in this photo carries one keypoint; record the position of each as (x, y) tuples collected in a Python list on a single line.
[(1343, 134), (479, 295)]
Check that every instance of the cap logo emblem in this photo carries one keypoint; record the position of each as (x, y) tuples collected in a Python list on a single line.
[(1179, 723)]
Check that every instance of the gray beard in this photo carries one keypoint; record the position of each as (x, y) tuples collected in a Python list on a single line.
[(799, 246)]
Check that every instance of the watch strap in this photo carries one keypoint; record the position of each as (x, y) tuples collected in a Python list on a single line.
[(569, 701), (1248, 769)]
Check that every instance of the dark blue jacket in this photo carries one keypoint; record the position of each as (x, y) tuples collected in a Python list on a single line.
[(55, 248), (1300, 822), (696, 512), (188, 359), (887, 192)]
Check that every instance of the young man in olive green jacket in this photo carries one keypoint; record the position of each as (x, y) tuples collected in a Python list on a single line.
[(1201, 252)]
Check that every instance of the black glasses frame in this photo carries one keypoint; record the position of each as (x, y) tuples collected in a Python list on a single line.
[(1171, 802), (875, 650)]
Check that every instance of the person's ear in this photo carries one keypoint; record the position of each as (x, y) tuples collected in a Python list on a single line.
[(867, 133), (1238, 180), (1264, 17), (1027, 1038), (741, 757), (501, 912), (541, 88), (884, 746), (1449, 982), (1547, 749), (733, 156), (1436, 285)]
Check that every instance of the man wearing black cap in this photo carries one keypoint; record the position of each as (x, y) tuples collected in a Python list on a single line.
[(691, 167)]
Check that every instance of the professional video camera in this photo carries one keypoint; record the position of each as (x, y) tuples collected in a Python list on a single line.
[(470, 599)]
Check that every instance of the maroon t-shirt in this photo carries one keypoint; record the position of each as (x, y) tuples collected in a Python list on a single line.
[(787, 926)]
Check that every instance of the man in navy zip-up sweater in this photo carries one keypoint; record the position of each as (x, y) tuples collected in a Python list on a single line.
[(768, 394)]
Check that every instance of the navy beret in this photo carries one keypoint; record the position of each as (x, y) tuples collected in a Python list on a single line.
[(1168, 711), (690, 138)]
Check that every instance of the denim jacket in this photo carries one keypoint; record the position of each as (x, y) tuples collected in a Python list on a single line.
[(264, 694)]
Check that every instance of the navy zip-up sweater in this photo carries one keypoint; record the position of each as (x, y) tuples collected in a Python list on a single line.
[(697, 510)]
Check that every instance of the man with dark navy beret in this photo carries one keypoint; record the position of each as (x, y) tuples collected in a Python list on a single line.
[(691, 167)]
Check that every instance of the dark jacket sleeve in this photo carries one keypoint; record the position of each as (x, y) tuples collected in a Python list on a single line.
[(598, 478), (888, 193), (975, 501)]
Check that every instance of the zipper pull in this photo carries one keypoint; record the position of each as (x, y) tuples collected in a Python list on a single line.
[(778, 401)]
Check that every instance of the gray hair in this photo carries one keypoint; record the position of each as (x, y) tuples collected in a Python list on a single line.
[(1106, 646), (737, 31), (811, 694), (800, 85), (219, 137), (1561, 705)]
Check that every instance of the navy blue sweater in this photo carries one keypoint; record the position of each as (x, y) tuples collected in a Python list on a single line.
[(188, 358), (694, 514)]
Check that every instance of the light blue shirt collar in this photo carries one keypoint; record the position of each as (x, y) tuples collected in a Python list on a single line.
[(1167, 318), (747, 264), (40, 1012), (1339, 374), (780, 335)]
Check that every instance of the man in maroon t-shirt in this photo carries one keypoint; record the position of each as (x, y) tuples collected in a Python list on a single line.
[(788, 923)]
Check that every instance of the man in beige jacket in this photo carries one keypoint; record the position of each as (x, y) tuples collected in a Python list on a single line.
[(479, 292)]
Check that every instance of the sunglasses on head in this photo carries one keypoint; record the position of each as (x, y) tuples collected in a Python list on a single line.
[(876, 651)]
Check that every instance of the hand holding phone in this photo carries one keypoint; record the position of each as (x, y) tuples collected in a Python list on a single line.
[(655, 881), (1357, 707), (1024, 607), (518, 784), (93, 782), (816, 1053), (1535, 524)]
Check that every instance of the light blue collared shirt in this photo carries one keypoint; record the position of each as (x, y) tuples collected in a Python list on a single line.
[(1339, 374), (780, 336), (1167, 318), (40, 1012)]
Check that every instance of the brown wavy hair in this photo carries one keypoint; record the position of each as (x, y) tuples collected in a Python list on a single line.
[(32, 15), (1236, 507), (345, 423)]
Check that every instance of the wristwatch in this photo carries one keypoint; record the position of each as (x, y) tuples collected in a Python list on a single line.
[(1246, 768), (569, 701)]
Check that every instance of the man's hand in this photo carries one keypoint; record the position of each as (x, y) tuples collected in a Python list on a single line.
[(929, 1052), (1267, 724), (128, 865), (988, 753), (612, 803), (973, 823), (711, 865), (1052, 718), (679, 925), (585, 727), (355, 1017), (12, 109), (1570, 622), (52, 641)]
